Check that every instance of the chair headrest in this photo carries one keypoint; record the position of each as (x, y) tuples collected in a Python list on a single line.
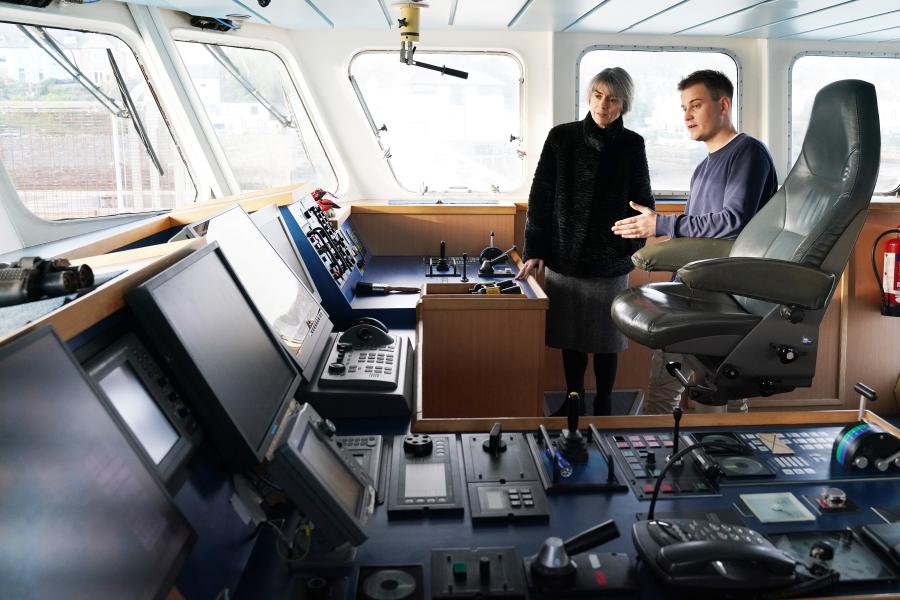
[(843, 120)]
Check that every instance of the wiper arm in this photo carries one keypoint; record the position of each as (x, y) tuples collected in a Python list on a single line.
[(46, 43), (132, 112), (229, 66)]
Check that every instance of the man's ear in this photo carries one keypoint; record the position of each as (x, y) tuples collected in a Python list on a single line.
[(725, 106)]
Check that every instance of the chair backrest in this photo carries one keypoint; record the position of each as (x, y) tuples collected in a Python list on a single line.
[(817, 214)]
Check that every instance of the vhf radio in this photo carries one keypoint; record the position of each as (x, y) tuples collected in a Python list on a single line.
[(32, 278)]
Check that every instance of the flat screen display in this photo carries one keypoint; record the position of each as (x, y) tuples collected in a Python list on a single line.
[(285, 303), (245, 369), (82, 515), (425, 480), (333, 473), (137, 408), (269, 222)]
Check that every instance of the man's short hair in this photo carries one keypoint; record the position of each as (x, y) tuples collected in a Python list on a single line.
[(619, 82), (715, 81)]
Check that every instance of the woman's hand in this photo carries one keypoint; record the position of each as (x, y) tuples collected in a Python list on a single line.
[(532, 265)]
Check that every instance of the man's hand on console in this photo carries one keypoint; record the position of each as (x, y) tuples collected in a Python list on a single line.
[(532, 266)]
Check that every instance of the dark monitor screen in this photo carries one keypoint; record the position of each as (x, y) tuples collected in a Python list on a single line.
[(227, 345), (82, 515), (138, 409), (287, 305)]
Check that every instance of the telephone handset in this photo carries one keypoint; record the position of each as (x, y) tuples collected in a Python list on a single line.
[(702, 554), (367, 332)]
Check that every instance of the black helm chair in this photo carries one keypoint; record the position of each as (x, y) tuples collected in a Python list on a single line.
[(746, 313)]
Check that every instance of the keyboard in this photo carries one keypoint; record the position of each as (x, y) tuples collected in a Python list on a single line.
[(674, 531), (362, 366)]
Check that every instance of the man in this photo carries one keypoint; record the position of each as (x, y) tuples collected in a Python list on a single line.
[(731, 184)]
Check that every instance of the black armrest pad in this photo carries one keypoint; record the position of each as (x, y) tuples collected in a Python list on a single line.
[(770, 280), (671, 255)]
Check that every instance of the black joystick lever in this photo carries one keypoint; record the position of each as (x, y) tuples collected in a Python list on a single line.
[(571, 443), (674, 369), (491, 252), (553, 563), (487, 266), (443, 264), (494, 445), (465, 259)]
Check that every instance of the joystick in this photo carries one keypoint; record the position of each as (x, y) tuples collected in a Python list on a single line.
[(465, 259), (553, 567), (491, 252), (443, 265), (572, 445)]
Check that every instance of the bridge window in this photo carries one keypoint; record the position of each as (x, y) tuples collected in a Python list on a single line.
[(258, 116), (81, 132), (656, 113), (810, 72), (440, 133)]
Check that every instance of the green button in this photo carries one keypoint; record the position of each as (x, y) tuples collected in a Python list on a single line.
[(459, 570), (701, 487)]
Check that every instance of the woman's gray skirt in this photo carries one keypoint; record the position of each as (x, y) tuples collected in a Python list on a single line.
[(579, 316)]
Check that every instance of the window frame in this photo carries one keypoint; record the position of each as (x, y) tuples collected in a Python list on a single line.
[(385, 151), (234, 40), (890, 195), (194, 177), (739, 86)]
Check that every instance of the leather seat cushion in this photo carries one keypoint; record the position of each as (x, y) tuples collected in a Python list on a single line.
[(661, 314)]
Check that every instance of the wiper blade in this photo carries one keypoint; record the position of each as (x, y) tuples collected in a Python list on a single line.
[(45, 42), (132, 112), (229, 66)]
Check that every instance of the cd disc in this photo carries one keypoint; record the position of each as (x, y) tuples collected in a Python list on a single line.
[(389, 584), (741, 466)]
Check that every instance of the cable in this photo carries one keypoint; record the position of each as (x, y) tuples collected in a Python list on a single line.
[(674, 458)]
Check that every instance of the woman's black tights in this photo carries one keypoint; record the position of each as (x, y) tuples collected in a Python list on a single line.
[(605, 364)]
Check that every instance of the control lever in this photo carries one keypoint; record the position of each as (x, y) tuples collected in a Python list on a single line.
[(487, 267), (443, 265), (865, 393), (494, 445), (465, 259), (554, 560), (695, 390), (572, 444)]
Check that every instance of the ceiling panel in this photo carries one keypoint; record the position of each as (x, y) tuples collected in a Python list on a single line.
[(550, 15), (687, 14), (759, 16), (359, 14), (885, 35), (842, 13), (857, 27), (484, 14), (618, 15)]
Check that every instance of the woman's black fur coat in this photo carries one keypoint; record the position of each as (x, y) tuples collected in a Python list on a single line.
[(584, 179)]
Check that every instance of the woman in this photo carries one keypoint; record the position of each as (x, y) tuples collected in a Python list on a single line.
[(587, 173)]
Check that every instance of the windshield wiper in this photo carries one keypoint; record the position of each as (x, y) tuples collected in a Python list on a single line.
[(132, 112), (46, 43), (229, 66)]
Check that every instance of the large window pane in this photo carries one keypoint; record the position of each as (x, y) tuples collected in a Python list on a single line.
[(445, 134), (72, 145), (809, 74), (656, 113), (258, 116)]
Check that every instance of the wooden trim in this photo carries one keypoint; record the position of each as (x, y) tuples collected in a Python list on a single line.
[(71, 319), (824, 417), (141, 230), (371, 207)]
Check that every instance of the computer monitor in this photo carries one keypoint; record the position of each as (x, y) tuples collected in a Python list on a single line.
[(328, 486), (288, 306), (148, 402), (269, 221), (231, 365), (82, 512)]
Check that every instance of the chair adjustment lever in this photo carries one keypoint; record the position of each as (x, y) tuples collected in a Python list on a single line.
[(695, 390)]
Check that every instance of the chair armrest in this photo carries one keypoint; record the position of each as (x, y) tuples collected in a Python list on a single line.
[(673, 254), (770, 280)]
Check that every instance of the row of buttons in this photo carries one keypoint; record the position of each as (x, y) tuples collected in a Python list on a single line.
[(698, 487), (425, 500), (520, 497)]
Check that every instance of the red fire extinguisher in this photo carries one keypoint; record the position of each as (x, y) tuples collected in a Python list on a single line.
[(889, 281)]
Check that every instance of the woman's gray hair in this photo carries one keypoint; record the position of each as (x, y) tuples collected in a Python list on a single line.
[(620, 84)]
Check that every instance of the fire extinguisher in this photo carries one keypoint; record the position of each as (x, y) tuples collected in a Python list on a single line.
[(889, 280)]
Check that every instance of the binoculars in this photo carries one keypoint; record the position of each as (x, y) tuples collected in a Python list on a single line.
[(32, 278)]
